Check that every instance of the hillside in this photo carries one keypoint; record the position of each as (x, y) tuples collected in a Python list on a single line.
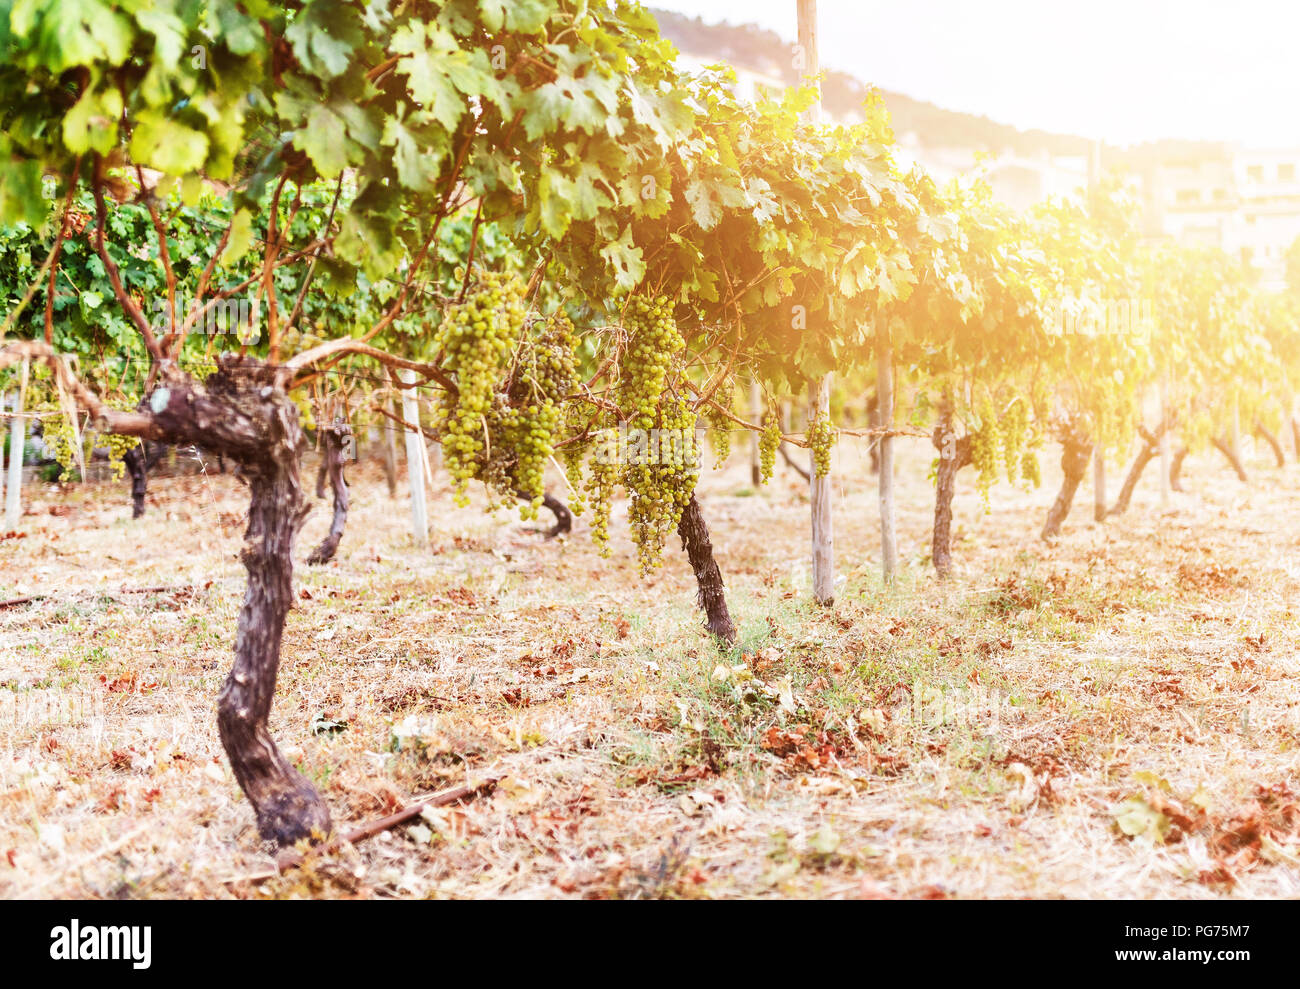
[(763, 51)]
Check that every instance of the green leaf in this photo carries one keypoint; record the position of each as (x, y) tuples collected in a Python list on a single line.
[(91, 124), (162, 143), (325, 141), (626, 260), (415, 168), (241, 238), (430, 86), (522, 16), (324, 35)]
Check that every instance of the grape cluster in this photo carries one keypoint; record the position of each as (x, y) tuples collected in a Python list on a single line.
[(769, 441), (477, 339), (661, 482), (821, 439), (57, 435), (720, 424), (985, 448), (653, 343), (1014, 428), (602, 477), (1029, 469)]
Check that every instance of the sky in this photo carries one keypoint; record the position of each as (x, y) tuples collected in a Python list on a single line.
[(1125, 71)]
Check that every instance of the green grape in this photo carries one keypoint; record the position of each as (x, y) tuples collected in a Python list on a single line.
[(720, 424), (478, 338), (1014, 429), (1029, 469), (821, 439), (985, 446), (602, 478), (769, 442), (661, 483), (59, 441), (653, 343), (118, 447)]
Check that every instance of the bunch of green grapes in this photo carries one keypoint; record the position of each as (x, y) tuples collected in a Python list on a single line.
[(720, 425), (118, 447), (653, 343), (551, 362), (821, 439), (574, 454), (525, 437), (1030, 472), (602, 477), (985, 446), (477, 339), (769, 441), (524, 425), (1014, 428), (662, 482), (57, 435)]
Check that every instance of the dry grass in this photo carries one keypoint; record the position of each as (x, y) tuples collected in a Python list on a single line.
[(970, 740)]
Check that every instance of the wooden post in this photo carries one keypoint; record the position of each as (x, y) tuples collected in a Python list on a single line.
[(415, 460), (823, 540), (756, 414), (885, 393), (14, 489)]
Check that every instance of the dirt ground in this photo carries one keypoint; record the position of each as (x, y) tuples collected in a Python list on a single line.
[(1112, 715)]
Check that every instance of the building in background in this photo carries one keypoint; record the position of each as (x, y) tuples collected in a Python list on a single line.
[(1246, 202)]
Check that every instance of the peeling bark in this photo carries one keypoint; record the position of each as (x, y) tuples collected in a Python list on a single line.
[(711, 595), (1076, 453), (333, 439), (1225, 448), (1272, 441), (954, 454)]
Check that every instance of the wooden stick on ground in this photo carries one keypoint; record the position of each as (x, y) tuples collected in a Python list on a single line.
[(290, 859)]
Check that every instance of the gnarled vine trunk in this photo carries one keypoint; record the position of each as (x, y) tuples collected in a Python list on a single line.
[(137, 470), (1149, 451), (954, 454), (1271, 439), (1176, 468), (699, 550), (243, 413), (1225, 447), (1076, 454), (333, 442)]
